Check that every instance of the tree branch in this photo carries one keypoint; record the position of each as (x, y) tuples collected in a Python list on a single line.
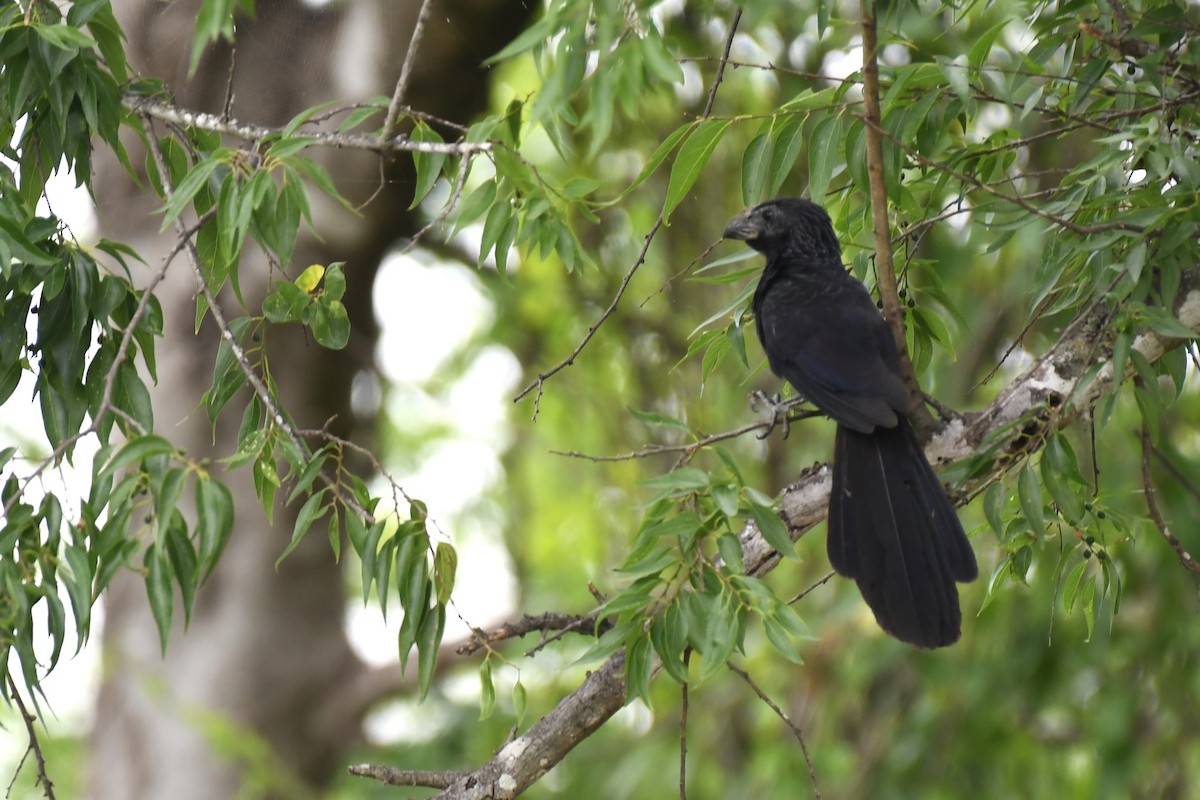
[(1185, 558), (151, 107), (885, 269), (410, 58), (29, 719), (542, 623)]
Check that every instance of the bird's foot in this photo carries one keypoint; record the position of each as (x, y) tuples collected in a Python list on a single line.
[(778, 409)]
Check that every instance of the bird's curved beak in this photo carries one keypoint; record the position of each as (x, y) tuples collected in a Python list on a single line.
[(742, 227)]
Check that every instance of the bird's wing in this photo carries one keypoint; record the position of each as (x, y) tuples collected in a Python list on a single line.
[(835, 349)]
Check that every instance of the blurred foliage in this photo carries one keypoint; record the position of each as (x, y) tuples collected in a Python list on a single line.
[(1040, 159)]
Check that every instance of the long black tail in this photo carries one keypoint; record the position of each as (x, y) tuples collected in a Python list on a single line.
[(892, 529)]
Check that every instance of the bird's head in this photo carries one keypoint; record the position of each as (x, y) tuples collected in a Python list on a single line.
[(787, 225)]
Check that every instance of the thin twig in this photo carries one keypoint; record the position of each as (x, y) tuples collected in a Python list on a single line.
[(29, 719), (885, 268), (227, 106), (549, 621), (692, 447), (410, 58), (683, 715), (540, 381), (712, 92), (819, 582), (686, 269), (1156, 516), (390, 776), (812, 772), (1183, 480)]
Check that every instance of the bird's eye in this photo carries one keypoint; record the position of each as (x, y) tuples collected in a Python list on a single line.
[(768, 213)]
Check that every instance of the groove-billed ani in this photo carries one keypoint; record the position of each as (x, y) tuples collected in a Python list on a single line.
[(891, 527)]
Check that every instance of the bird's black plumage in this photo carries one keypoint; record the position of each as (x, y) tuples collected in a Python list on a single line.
[(891, 527)]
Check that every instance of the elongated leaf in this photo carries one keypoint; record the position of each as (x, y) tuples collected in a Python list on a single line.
[(445, 565), (823, 149), (429, 636), (756, 166), (1030, 493), (158, 590), (135, 450), (689, 163), (773, 530), (487, 690), (656, 159), (309, 513), (214, 514)]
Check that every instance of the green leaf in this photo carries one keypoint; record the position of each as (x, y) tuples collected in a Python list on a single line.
[(639, 663), (756, 166), (183, 563), (518, 700), (334, 287), (445, 566), (192, 183), (287, 303), (366, 542), (686, 479), (166, 496), (214, 513), (993, 504), (311, 470), (535, 34), (726, 498), (656, 159), (158, 590), (730, 549), (1061, 477), (1030, 494), (689, 163), (479, 201), (330, 323), (668, 635), (1165, 323), (309, 513), (773, 530), (788, 140), (781, 640), (136, 450), (429, 636), (1071, 585), (428, 165), (824, 146), (487, 690)]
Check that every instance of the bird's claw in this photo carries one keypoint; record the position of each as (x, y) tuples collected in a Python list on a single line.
[(778, 409)]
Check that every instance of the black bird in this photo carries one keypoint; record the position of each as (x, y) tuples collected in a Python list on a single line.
[(891, 527)]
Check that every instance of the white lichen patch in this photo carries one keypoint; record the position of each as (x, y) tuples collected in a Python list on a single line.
[(514, 750)]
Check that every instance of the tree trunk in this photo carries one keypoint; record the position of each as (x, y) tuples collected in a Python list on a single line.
[(265, 660)]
